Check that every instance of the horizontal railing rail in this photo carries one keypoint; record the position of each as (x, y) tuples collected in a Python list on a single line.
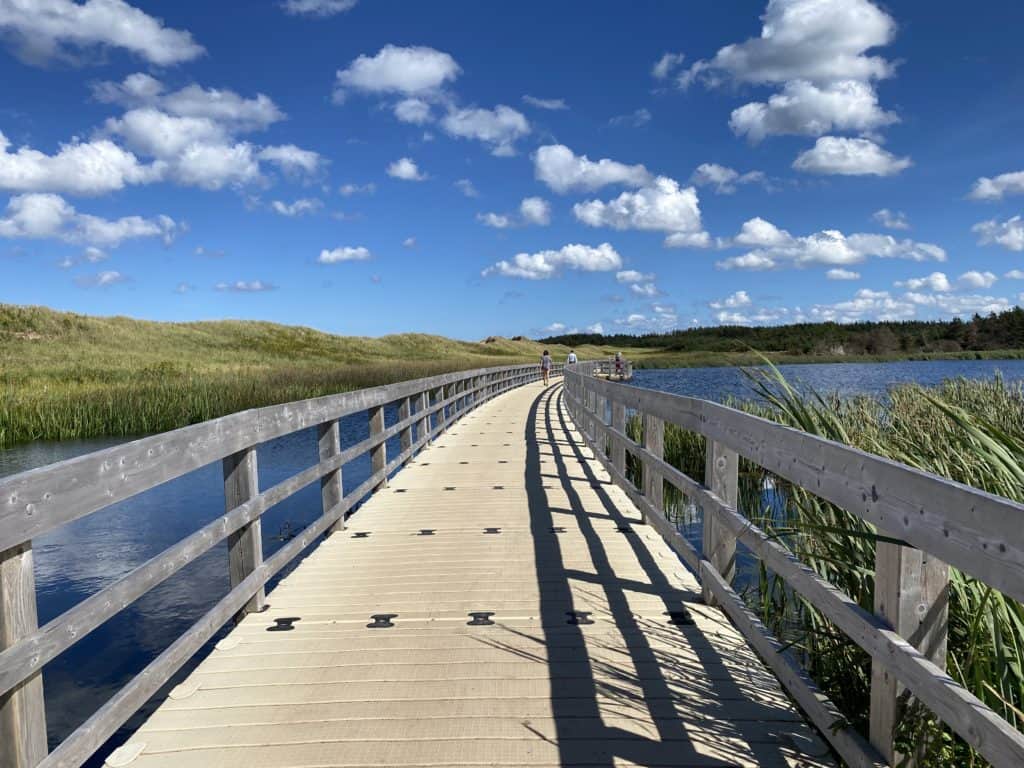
[(925, 522), (41, 500)]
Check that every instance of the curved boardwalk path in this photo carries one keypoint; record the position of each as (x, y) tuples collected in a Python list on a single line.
[(506, 513)]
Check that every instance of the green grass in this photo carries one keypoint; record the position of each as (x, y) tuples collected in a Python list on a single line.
[(66, 376), (969, 431)]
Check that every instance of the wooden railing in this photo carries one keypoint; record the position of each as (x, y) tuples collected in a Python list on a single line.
[(940, 522), (40, 500)]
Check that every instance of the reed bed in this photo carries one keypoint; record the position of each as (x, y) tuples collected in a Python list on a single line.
[(966, 430)]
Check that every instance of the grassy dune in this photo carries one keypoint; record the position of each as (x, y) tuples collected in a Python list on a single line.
[(64, 375)]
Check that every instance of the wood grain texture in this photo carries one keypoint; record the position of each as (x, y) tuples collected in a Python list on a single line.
[(245, 545), (721, 475), (22, 715)]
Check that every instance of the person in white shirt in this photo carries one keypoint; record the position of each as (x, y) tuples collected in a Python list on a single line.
[(571, 358)]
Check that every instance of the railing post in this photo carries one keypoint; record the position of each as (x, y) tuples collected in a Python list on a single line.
[(721, 476), (379, 453), (654, 442), (245, 546), (912, 595), (405, 436), (331, 487), (599, 437), (22, 714), (619, 425), (423, 428)]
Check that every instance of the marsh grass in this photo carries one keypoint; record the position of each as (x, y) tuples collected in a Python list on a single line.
[(968, 431), (67, 376)]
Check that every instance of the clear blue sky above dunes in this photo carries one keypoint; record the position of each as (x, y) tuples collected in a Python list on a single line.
[(522, 168)]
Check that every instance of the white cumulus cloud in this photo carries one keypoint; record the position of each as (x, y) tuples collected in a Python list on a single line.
[(494, 220), (415, 70), (320, 8), (976, 279), (535, 210), (849, 157), (346, 253), (724, 179), (936, 282), (562, 170), (45, 29), (891, 219), (1009, 233), (498, 127), (298, 208), (995, 188), (405, 168), (552, 104), (547, 264), (842, 274), (664, 66), (663, 205)]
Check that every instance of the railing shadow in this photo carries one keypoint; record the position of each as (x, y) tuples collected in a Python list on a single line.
[(685, 708)]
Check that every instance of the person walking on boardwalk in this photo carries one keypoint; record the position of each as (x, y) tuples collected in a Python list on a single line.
[(545, 366), (571, 359), (618, 364)]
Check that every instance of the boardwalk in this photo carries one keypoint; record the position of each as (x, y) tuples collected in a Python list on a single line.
[(506, 513)]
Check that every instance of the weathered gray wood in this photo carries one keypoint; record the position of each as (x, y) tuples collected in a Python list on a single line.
[(618, 449), (912, 595), (423, 425), (721, 473), (39, 500), (960, 525), (999, 742), (851, 746), (379, 453), (245, 546), (404, 414), (22, 715), (680, 545), (29, 654), (599, 414), (331, 484), (654, 444)]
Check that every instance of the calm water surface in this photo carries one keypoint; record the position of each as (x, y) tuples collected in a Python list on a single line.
[(77, 560)]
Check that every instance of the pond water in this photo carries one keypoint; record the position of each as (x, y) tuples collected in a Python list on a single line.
[(81, 558)]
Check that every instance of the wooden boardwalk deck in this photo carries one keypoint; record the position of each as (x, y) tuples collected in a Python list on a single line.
[(506, 513)]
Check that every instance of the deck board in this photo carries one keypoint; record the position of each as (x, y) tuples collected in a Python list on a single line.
[(630, 688)]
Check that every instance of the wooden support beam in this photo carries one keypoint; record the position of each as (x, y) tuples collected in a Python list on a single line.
[(423, 426), (245, 546), (618, 449), (378, 454), (331, 486), (22, 714), (405, 436), (654, 442), (721, 476), (912, 595)]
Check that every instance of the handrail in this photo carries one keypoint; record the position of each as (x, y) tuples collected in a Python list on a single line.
[(40, 500), (965, 527)]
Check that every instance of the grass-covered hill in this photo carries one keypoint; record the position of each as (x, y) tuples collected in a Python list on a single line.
[(65, 375)]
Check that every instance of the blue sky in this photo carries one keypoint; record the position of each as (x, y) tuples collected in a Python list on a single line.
[(520, 168)]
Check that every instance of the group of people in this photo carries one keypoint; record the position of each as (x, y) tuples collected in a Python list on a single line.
[(571, 359)]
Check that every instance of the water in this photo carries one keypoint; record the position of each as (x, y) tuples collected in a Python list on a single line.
[(844, 378), (79, 559)]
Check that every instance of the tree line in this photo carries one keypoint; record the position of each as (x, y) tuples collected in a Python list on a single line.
[(1004, 330)]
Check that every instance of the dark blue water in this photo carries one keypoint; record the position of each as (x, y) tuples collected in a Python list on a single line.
[(79, 559), (844, 378)]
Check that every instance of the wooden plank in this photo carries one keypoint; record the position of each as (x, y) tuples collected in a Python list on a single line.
[(912, 595), (962, 526), (721, 475), (245, 545), (39, 500), (404, 415), (22, 714), (332, 484)]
